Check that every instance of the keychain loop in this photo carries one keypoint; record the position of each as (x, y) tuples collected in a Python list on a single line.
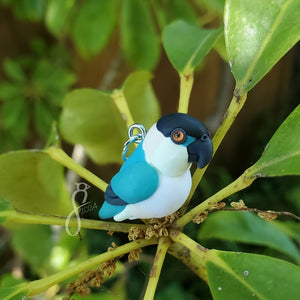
[(133, 138)]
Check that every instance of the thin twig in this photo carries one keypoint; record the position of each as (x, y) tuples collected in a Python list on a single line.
[(258, 211)]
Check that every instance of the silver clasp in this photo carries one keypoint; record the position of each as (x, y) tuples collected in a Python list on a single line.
[(134, 138)]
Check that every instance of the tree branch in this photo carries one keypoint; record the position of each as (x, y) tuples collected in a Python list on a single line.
[(163, 246)]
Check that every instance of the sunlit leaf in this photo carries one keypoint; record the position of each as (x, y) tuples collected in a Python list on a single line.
[(141, 98), (94, 24), (90, 118), (250, 276), (186, 45), (257, 34), (246, 227), (32, 182), (139, 39), (282, 154)]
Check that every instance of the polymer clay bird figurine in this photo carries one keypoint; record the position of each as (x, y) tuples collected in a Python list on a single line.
[(155, 180)]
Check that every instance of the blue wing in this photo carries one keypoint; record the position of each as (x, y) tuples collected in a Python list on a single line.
[(135, 182)]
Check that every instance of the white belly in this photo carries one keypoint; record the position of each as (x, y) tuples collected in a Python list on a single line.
[(168, 198)]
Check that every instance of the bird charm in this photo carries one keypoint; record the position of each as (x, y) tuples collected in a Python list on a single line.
[(155, 180)]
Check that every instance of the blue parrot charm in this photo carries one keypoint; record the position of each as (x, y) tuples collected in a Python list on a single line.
[(155, 180)]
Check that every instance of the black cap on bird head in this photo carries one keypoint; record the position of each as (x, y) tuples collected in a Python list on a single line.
[(200, 151)]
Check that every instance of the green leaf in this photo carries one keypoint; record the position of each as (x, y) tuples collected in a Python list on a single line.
[(14, 71), (4, 206), (32, 182), (56, 14), (212, 5), (257, 34), (139, 39), (141, 98), (15, 117), (174, 291), (90, 118), (29, 9), (246, 227), (94, 25), (24, 239), (43, 118), (9, 91), (169, 11), (282, 154), (186, 45), (18, 292), (250, 276)]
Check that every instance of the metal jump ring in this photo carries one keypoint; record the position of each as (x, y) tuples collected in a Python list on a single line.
[(133, 138)]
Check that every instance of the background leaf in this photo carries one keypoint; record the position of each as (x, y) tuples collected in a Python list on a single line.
[(141, 98), (246, 227), (14, 293), (250, 276), (168, 11), (257, 34), (139, 40), (186, 45), (90, 118), (94, 24), (13, 70), (40, 183), (56, 15), (24, 236), (282, 154)]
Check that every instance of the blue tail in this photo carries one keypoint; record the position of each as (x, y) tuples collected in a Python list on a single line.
[(108, 211)]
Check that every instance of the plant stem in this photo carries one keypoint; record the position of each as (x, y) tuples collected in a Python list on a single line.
[(28, 218), (60, 156), (234, 108), (239, 184), (41, 285), (163, 246), (121, 103), (194, 256), (186, 84)]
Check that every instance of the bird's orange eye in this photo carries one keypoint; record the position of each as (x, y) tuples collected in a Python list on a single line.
[(178, 136)]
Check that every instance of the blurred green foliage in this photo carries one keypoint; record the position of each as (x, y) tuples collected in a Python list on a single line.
[(31, 99), (31, 95)]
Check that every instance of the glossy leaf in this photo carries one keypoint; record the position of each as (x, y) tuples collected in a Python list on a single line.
[(56, 15), (90, 118), (250, 276), (94, 24), (246, 227), (32, 182), (141, 98), (139, 39), (282, 154), (257, 34), (186, 45)]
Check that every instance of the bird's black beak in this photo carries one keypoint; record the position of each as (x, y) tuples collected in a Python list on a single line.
[(200, 151)]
